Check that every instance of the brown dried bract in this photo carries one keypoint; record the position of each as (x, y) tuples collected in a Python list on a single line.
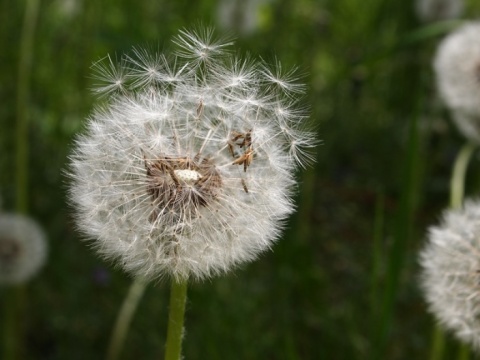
[(245, 159), (243, 141)]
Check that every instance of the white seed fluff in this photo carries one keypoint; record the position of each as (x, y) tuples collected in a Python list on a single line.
[(451, 272), (436, 10), (457, 68), (188, 169), (23, 248)]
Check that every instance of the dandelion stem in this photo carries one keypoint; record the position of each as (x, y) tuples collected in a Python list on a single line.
[(14, 303), (178, 297), (24, 71), (9, 319), (125, 317), (457, 182), (463, 352), (457, 190), (378, 225), (438, 343)]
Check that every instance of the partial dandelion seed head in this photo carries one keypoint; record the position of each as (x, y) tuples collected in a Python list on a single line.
[(437, 10), (457, 68), (22, 248), (187, 168), (450, 277)]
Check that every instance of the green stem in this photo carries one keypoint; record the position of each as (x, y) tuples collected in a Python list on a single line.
[(13, 316), (15, 302), (178, 297), (23, 89), (377, 252), (457, 182), (9, 318), (438, 343), (463, 352), (125, 317), (397, 254)]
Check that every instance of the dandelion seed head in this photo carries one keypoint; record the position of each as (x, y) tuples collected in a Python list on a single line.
[(451, 272), (192, 177), (22, 248), (457, 67)]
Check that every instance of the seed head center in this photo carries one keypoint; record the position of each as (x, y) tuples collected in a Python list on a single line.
[(188, 176), (9, 249)]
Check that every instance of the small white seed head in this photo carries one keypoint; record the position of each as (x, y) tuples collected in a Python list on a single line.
[(457, 68), (22, 248), (450, 276)]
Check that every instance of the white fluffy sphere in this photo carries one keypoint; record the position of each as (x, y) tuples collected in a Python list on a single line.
[(451, 272), (457, 67), (23, 248), (188, 169)]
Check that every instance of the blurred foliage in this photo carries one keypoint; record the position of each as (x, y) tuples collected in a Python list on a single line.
[(382, 174)]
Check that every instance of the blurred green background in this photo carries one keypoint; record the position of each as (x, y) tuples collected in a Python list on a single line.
[(343, 281)]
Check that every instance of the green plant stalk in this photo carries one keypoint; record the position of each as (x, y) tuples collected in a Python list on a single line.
[(178, 297), (9, 318), (13, 316), (397, 252), (438, 343), (457, 182), (23, 89), (14, 303), (463, 352), (377, 253), (457, 191), (124, 318), (375, 272)]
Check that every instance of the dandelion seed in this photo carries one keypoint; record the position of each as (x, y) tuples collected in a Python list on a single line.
[(189, 178), (147, 67), (457, 67), (110, 77), (22, 248), (200, 46), (451, 272)]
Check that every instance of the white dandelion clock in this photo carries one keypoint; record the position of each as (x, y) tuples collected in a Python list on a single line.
[(436, 10), (188, 169), (457, 67), (451, 272), (23, 248)]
